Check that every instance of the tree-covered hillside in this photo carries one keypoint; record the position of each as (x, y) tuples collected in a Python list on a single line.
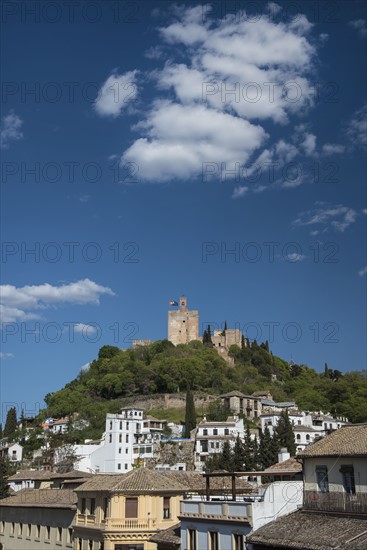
[(164, 368)]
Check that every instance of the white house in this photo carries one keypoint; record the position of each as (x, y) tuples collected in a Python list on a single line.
[(128, 440), (12, 451), (210, 437)]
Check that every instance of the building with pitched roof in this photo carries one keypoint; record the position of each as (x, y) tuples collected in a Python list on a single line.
[(334, 513), (37, 519), (123, 511)]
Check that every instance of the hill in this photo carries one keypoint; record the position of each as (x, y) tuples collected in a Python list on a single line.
[(163, 368)]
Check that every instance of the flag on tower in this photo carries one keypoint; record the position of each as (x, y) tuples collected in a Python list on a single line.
[(173, 303)]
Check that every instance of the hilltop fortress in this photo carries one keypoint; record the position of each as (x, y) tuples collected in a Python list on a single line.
[(183, 327)]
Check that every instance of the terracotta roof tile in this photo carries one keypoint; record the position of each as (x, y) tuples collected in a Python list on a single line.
[(310, 531), (42, 498), (285, 466), (170, 536), (349, 440)]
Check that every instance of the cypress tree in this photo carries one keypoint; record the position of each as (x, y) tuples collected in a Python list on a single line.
[(11, 422), (249, 452), (190, 414), (4, 487), (266, 455), (226, 457), (1, 431), (285, 434), (238, 455), (225, 325), (243, 342)]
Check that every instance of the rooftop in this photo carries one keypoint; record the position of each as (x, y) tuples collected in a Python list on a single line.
[(170, 537), (41, 498), (291, 464), (37, 475), (310, 531), (349, 440), (141, 480)]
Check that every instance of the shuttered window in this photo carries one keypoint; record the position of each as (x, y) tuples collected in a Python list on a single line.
[(131, 508)]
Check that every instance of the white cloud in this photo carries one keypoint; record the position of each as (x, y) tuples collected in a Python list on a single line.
[(240, 73), (116, 93), (85, 367), (4, 355), (333, 149), (360, 26), (84, 198), (239, 191), (296, 257), (362, 271), (357, 129), (309, 144), (182, 138), (273, 8), (20, 303), (10, 129), (84, 329), (337, 217), (364, 210)]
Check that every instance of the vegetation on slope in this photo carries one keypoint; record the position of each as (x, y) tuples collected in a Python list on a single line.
[(164, 368)]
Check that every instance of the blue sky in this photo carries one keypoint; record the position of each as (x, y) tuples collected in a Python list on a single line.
[(169, 149)]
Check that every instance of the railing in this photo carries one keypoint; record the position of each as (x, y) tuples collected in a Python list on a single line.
[(336, 502), (86, 519), (130, 524), (213, 509)]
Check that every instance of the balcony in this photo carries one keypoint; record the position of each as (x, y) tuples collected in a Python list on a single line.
[(336, 502), (231, 511), (129, 524), (85, 519)]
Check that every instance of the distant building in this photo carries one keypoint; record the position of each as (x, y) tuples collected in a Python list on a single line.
[(210, 437), (239, 403), (11, 451), (183, 324), (127, 442)]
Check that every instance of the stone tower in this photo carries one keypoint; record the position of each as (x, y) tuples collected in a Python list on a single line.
[(183, 324)]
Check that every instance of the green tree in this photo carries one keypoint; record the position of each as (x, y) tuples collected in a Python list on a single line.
[(266, 454), (11, 423), (4, 473), (249, 451), (238, 456), (225, 461), (208, 338), (225, 325), (190, 413), (1, 431), (284, 433), (217, 411)]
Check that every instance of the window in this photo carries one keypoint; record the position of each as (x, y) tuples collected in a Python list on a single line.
[(238, 543), (105, 507), (48, 532), (110, 424), (38, 531), (120, 450), (80, 544), (213, 540), (92, 510), (205, 432), (83, 506), (322, 479), (226, 431), (191, 539), (126, 451), (298, 437), (127, 438), (59, 534), (120, 425), (29, 530), (119, 466), (120, 438), (348, 479), (166, 507), (215, 431), (110, 438), (20, 529), (12, 528), (307, 437), (2, 526), (127, 425), (70, 535), (126, 466), (131, 507), (299, 422), (90, 545)]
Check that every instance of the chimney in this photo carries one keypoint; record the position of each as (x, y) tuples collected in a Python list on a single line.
[(283, 454)]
